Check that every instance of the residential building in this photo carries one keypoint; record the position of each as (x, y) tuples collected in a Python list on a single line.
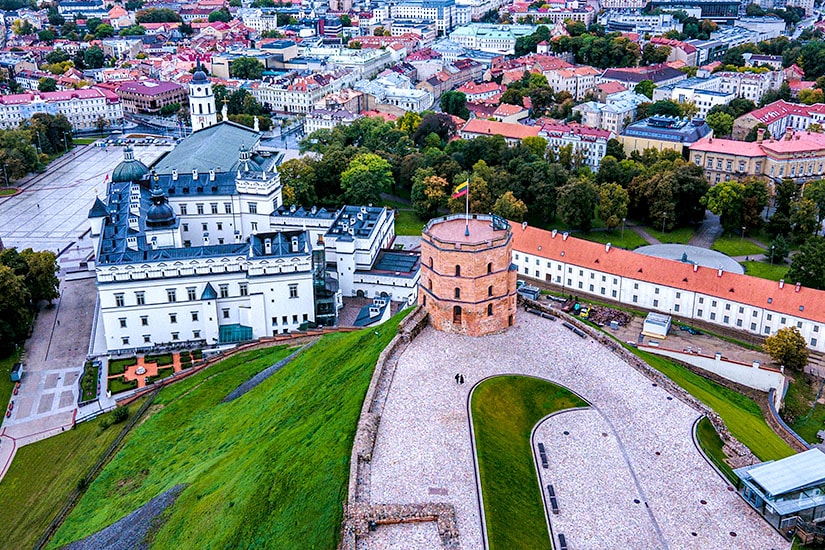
[(512, 133), (82, 8), (720, 11), (293, 93), (122, 48), (510, 113), (614, 115), (687, 291), (443, 12), (623, 20), (391, 88), (317, 119), (576, 80), (480, 92), (83, 108), (259, 19), (425, 31), (796, 155), (488, 37), (661, 75), (663, 132), (778, 116), (150, 96), (768, 28), (704, 93), (679, 51), (589, 145), (554, 15)]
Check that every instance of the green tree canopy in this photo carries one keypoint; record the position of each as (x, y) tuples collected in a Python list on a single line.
[(247, 68), (47, 84), (454, 103), (510, 208), (576, 203), (429, 193), (366, 177), (220, 15), (787, 347), (613, 201), (156, 15), (808, 265), (645, 88), (720, 123)]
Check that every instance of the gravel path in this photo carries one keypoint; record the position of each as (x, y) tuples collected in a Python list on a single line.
[(423, 451), (708, 232), (130, 532), (250, 384)]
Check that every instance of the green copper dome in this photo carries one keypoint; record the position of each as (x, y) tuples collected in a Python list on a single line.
[(130, 169)]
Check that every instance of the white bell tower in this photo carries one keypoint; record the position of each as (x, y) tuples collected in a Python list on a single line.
[(201, 101)]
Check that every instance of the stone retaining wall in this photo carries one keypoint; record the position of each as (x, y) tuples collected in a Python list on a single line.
[(359, 514)]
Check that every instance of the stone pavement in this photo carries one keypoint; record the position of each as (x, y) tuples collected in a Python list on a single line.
[(423, 451), (708, 232), (53, 362)]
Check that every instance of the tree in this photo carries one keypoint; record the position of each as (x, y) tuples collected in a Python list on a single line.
[(665, 107), (615, 149), (815, 191), (429, 193), (653, 54), (454, 103), (725, 200), (104, 30), (156, 15), (720, 123), (247, 68), (58, 55), (808, 265), (755, 198), (15, 315), (576, 202), (346, 21), (47, 84), (220, 15), (804, 218), (93, 57), (787, 347), (134, 30), (366, 177), (409, 122), (536, 144), (298, 180), (753, 133), (93, 23), (613, 201), (645, 88), (22, 27), (809, 97), (46, 35), (509, 207), (41, 279), (101, 123), (778, 250)]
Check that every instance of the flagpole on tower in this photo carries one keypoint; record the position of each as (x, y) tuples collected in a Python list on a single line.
[(467, 210)]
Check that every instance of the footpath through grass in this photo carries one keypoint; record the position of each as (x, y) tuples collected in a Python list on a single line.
[(43, 475), (741, 414), (505, 409), (269, 469)]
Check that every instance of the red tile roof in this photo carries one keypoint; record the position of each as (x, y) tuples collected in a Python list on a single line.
[(506, 129), (744, 289), (728, 146)]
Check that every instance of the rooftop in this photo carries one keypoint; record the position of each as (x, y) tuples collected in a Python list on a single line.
[(792, 473), (451, 229), (355, 222), (506, 129), (668, 129), (215, 147), (149, 87)]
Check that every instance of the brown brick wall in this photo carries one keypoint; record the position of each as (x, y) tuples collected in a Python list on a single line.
[(439, 282)]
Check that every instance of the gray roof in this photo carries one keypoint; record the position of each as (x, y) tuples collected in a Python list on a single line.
[(98, 209), (669, 129), (792, 473), (211, 148)]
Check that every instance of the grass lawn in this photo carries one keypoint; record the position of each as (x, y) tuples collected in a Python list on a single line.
[(118, 366), (89, 383), (679, 235), (119, 384), (269, 469), (408, 223), (798, 412), (36, 486), (84, 141), (734, 245), (765, 270), (742, 416), (712, 445), (505, 409), (6, 385), (6, 191), (630, 241)]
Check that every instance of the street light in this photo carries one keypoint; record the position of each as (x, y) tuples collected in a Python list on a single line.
[(772, 247), (742, 240), (664, 219), (623, 220)]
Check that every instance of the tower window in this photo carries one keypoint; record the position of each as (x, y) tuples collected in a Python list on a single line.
[(490, 290), (457, 293), (489, 310), (456, 314), (458, 271), (489, 267)]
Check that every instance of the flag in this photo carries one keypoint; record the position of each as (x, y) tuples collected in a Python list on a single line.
[(461, 190), (106, 178)]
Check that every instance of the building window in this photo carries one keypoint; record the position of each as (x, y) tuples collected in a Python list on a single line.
[(490, 290), (227, 207), (119, 300), (254, 226), (456, 314), (813, 342), (214, 207), (225, 313), (457, 293), (190, 293), (678, 295), (783, 320), (122, 321), (739, 322), (458, 271), (635, 298), (253, 207), (635, 286), (769, 317), (171, 295), (147, 339), (490, 311), (284, 319), (175, 336), (173, 318), (205, 226), (220, 226), (294, 319), (816, 328), (293, 291), (224, 290), (196, 334), (656, 290), (591, 288), (698, 312), (144, 321), (185, 227), (799, 324), (753, 326), (713, 303), (727, 307), (655, 303), (701, 300), (676, 308), (194, 315), (125, 340), (614, 293), (244, 289), (767, 330), (183, 210), (200, 208), (306, 317), (712, 316)]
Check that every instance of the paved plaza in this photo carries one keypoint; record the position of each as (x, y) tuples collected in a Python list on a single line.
[(51, 212), (423, 450)]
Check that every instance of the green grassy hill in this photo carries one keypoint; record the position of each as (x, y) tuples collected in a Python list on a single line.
[(268, 470)]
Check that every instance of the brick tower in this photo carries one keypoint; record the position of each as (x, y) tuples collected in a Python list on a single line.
[(467, 283)]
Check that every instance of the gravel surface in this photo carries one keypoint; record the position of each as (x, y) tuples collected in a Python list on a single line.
[(130, 532), (423, 451), (264, 374)]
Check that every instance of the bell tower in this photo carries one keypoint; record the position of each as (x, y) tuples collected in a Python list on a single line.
[(201, 101)]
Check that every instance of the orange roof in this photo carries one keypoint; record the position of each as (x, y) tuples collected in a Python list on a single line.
[(728, 146), (506, 129), (799, 142), (806, 303), (612, 87), (505, 109)]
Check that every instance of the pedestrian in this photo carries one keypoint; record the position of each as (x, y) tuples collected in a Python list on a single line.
[(457, 375), (460, 378), (38, 206), (58, 322)]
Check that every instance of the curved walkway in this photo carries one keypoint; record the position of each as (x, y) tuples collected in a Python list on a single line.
[(423, 451)]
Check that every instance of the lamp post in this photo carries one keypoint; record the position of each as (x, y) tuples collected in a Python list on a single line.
[(742, 239), (772, 247), (664, 219), (65, 142), (623, 220)]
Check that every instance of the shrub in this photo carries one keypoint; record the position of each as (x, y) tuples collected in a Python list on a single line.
[(118, 366), (186, 365), (197, 354), (120, 414)]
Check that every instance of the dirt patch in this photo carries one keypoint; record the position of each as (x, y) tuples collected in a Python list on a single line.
[(135, 531), (129, 484)]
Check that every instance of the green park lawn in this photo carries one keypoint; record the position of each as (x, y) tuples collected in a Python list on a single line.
[(84, 141), (741, 415), (6, 385), (408, 223), (765, 270), (37, 485), (712, 445), (630, 240), (734, 245), (8, 191), (270, 467), (505, 409), (680, 235)]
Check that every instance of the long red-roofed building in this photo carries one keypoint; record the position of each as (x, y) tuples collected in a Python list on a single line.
[(688, 291), (82, 107)]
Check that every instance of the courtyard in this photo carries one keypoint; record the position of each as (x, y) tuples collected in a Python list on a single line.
[(424, 452)]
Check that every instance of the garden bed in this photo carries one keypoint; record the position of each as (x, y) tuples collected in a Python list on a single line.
[(120, 384), (89, 382), (161, 360), (118, 366)]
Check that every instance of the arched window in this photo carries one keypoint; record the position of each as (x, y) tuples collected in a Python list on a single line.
[(489, 310), (458, 271), (425, 300), (431, 284), (490, 290), (431, 262), (489, 267), (457, 293), (457, 314)]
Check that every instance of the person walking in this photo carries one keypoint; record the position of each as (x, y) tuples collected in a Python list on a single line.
[(457, 375), (461, 379)]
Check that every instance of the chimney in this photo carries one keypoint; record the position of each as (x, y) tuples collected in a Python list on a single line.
[(360, 216), (267, 246), (788, 133), (211, 175), (314, 209), (195, 174), (781, 283), (523, 226), (710, 139), (565, 235), (607, 247), (294, 244), (554, 233), (719, 273), (760, 135), (695, 268), (798, 286), (174, 175), (133, 223)]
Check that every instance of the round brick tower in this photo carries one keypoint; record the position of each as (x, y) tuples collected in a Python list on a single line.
[(467, 283)]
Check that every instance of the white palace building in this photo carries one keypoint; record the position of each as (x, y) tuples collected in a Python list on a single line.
[(200, 250)]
